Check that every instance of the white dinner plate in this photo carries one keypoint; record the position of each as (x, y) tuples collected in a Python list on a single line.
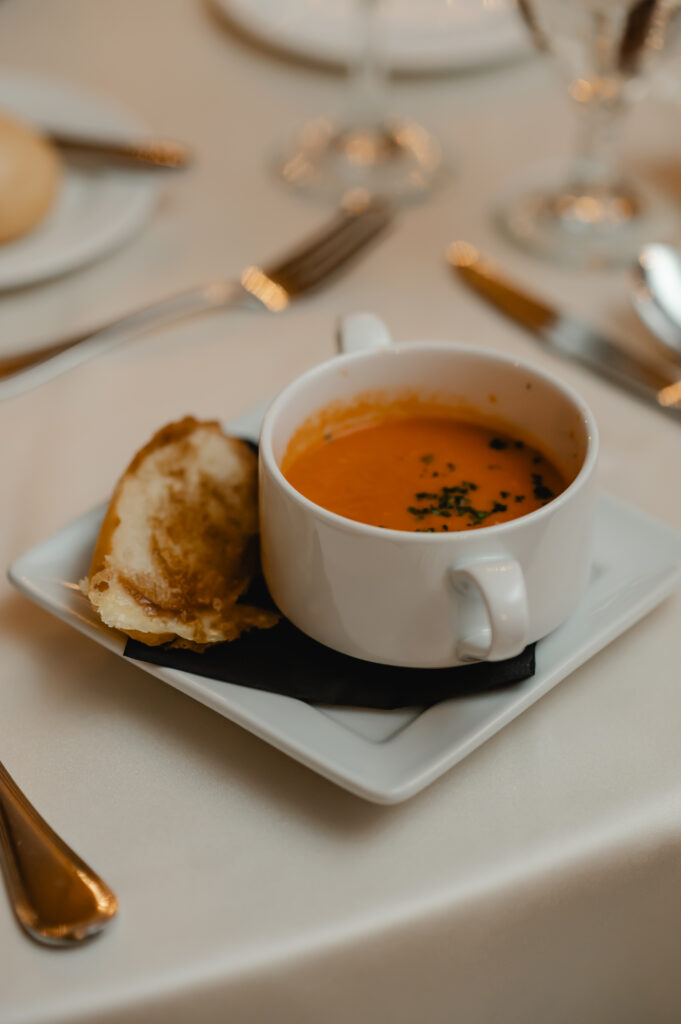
[(388, 756), (429, 35), (96, 209)]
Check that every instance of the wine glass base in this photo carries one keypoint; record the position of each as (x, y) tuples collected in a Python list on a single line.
[(398, 160), (546, 218)]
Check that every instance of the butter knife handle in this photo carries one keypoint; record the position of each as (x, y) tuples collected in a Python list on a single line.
[(654, 382), (520, 306), (147, 152)]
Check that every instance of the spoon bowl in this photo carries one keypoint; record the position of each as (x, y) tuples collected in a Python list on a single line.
[(656, 294)]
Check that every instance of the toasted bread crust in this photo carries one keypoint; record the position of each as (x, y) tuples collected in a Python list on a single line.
[(178, 544)]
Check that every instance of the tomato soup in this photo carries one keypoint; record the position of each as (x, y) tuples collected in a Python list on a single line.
[(423, 473)]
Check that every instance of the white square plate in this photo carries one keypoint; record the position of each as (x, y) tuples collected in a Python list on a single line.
[(388, 756)]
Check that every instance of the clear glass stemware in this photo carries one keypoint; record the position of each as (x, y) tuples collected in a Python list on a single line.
[(593, 212), (367, 149)]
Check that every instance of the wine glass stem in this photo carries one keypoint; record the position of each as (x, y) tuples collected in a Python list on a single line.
[(596, 165), (368, 77)]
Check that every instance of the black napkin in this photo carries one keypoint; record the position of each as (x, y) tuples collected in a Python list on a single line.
[(284, 660)]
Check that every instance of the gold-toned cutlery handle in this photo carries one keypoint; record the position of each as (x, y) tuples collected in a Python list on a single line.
[(653, 381), (483, 276), (57, 898), (162, 153)]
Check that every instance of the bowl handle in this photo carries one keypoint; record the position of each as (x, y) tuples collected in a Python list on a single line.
[(362, 332), (492, 615)]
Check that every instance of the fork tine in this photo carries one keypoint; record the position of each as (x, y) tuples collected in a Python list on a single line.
[(298, 273), (314, 271), (354, 231), (335, 229), (330, 249)]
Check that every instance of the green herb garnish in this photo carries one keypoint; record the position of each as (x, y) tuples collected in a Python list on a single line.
[(453, 501), (541, 491)]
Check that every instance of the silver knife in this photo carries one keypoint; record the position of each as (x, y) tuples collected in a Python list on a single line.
[(567, 335)]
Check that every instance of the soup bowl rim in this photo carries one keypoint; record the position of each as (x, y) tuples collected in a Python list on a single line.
[(266, 451)]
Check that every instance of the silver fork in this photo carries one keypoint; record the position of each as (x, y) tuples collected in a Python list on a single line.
[(305, 268)]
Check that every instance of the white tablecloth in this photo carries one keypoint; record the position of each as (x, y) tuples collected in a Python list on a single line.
[(538, 881)]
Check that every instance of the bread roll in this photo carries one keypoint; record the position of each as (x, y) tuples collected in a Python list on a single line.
[(30, 170), (179, 542)]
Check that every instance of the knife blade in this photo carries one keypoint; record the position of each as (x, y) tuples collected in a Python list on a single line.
[(566, 335)]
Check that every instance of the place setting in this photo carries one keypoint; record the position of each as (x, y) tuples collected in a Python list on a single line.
[(383, 564), (387, 754), (94, 173)]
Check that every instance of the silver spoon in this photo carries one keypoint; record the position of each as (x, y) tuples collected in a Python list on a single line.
[(56, 897), (656, 294)]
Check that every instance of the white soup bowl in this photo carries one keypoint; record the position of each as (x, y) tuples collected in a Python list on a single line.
[(429, 600)]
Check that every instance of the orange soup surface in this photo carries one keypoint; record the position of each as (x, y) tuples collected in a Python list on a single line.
[(423, 473)]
